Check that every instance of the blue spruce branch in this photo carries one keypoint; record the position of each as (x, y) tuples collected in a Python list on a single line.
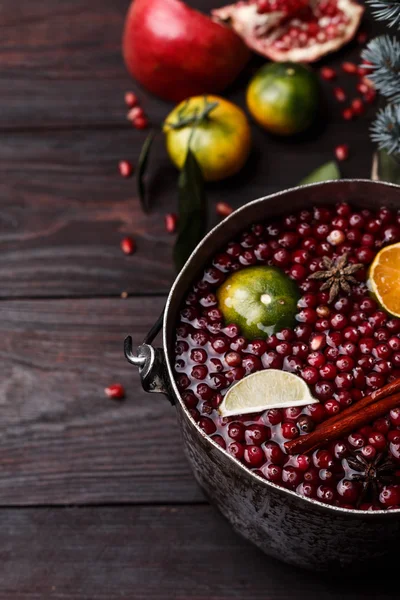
[(384, 55), (386, 10), (386, 129)]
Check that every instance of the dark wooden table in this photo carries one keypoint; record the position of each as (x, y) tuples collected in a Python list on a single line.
[(97, 499)]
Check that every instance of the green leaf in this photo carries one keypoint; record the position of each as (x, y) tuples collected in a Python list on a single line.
[(327, 172), (142, 165), (192, 210), (388, 167)]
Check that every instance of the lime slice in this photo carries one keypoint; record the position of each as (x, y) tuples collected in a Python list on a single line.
[(263, 390)]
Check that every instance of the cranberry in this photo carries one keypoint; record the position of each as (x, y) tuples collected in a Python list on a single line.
[(236, 431), (198, 355), (332, 407), (274, 454), (239, 343), (253, 455), (219, 440), (375, 380), (310, 375), (324, 389), (303, 462), (366, 345), (199, 372), (395, 416), (378, 318), (274, 416), (300, 257), (303, 332), (338, 321), (257, 347), (272, 360), (281, 258), (262, 251), (307, 316), (182, 382), (233, 359), (383, 351), (340, 450), (356, 440), (251, 364), (365, 254), (257, 434), (326, 494), (284, 348), (377, 440), (236, 449), (273, 473), (235, 374), (394, 344), (291, 477), (348, 490), (300, 349), (390, 495), (289, 430), (345, 363), (207, 425)]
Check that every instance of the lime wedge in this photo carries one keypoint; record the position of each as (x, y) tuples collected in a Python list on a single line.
[(263, 390)]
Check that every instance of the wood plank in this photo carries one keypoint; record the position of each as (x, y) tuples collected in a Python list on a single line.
[(154, 553), (65, 208), (63, 66), (62, 441)]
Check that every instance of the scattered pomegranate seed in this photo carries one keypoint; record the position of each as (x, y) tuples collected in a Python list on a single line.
[(135, 113), (223, 209), (125, 168), (362, 37), (128, 245), (115, 391), (366, 68), (328, 74), (124, 295), (362, 87), (340, 94), (342, 152), (350, 68), (141, 123), (131, 99), (370, 96), (171, 221), (357, 106), (347, 114)]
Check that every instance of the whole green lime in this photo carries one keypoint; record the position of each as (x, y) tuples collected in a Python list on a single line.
[(284, 97), (261, 300)]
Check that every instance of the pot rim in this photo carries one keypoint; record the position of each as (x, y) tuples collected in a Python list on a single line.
[(319, 505)]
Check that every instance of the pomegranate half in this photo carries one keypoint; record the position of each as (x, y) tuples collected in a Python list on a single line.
[(176, 52), (293, 30)]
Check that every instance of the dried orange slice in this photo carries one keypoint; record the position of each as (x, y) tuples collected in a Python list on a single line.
[(384, 278)]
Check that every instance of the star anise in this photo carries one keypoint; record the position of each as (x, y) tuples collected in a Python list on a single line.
[(338, 274), (379, 471)]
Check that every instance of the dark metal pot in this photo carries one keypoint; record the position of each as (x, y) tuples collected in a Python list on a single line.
[(297, 530)]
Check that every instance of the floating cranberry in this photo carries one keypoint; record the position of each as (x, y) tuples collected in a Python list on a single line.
[(253, 455), (274, 416), (310, 375), (223, 209), (328, 73), (251, 364), (207, 425), (395, 416), (291, 477), (273, 473), (305, 424), (324, 389), (236, 450), (390, 496), (257, 434), (289, 430), (348, 490)]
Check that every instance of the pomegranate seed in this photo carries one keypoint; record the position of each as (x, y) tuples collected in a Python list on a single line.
[(362, 37), (125, 168), (357, 106), (366, 67), (131, 99), (370, 96), (223, 209), (342, 152), (115, 391), (363, 87), (340, 94), (347, 114), (328, 74), (171, 221), (141, 123), (128, 245), (135, 113), (349, 67)]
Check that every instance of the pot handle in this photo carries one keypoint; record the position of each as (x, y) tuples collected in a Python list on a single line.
[(151, 362)]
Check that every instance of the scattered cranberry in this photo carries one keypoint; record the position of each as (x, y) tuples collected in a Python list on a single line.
[(347, 114), (340, 94)]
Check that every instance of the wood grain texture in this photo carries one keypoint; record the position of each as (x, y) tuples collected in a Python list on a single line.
[(154, 553), (62, 66), (62, 441), (65, 207)]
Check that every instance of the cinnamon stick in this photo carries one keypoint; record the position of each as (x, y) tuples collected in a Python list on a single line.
[(386, 390), (332, 431)]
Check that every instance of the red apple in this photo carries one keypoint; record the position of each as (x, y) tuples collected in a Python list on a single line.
[(177, 52)]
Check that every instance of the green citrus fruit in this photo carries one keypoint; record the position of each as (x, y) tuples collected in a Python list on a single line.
[(261, 300), (284, 97), (221, 142)]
